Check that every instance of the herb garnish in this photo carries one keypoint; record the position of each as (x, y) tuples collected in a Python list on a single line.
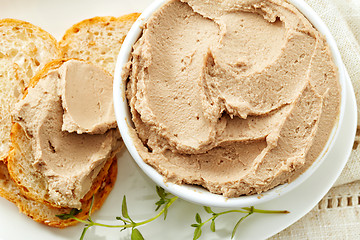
[(166, 200), (248, 210)]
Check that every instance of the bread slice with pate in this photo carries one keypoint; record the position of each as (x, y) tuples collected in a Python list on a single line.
[(53, 166), (24, 49), (45, 214), (97, 40)]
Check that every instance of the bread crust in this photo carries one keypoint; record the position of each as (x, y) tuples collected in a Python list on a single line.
[(46, 214), (84, 40), (24, 24), (86, 23)]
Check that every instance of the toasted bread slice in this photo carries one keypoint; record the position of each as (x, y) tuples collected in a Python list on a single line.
[(32, 183), (18, 164), (24, 49), (97, 40), (46, 214)]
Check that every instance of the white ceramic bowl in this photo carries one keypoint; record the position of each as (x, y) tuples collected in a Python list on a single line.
[(197, 194)]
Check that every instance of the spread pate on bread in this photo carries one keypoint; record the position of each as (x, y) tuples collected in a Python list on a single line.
[(86, 96), (36, 173), (237, 96), (24, 50), (68, 117)]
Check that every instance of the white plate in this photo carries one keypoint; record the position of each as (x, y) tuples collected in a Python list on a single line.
[(56, 17)]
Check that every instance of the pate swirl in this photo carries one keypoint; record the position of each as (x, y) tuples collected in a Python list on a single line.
[(237, 96)]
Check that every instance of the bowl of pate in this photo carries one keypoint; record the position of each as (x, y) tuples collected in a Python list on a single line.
[(229, 103)]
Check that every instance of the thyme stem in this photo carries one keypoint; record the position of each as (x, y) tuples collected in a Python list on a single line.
[(166, 200)]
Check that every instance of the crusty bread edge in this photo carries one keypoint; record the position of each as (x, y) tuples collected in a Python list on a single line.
[(43, 72), (99, 198), (44, 34), (87, 22)]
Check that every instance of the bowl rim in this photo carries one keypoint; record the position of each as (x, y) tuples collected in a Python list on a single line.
[(196, 194)]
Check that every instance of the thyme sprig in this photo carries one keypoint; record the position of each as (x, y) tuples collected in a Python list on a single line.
[(164, 203), (248, 210), (166, 200)]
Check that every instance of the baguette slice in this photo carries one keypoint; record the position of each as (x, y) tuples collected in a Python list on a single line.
[(46, 214), (97, 40), (24, 49), (32, 183)]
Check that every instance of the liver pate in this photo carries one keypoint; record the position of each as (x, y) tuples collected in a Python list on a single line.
[(237, 96)]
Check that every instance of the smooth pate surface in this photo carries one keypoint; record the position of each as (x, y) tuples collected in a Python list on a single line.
[(86, 94), (237, 96), (67, 160)]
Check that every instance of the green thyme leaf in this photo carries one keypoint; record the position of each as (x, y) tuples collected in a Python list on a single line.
[(161, 192), (197, 233), (72, 214), (124, 209), (64, 216), (75, 211), (208, 209), (198, 218), (136, 235), (159, 204), (212, 225)]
